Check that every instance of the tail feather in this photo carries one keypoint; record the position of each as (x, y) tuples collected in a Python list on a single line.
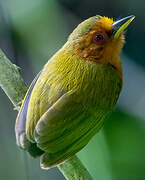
[(26, 145)]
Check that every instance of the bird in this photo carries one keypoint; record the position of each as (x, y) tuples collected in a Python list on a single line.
[(76, 90)]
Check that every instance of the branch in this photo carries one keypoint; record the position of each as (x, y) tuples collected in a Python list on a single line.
[(11, 81), (15, 88), (73, 169)]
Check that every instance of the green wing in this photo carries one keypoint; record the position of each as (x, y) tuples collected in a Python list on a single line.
[(65, 128)]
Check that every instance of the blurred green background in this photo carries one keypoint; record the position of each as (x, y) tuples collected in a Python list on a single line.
[(30, 33)]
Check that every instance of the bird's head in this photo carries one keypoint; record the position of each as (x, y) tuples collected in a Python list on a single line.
[(100, 39)]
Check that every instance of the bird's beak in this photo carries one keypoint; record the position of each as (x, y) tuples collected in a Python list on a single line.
[(120, 25)]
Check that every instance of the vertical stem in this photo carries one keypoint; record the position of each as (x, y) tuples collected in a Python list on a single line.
[(73, 169), (11, 81)]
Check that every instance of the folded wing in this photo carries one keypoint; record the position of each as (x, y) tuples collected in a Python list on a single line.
[(65, 128)]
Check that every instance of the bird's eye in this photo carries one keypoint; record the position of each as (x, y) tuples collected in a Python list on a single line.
[(99, 38)]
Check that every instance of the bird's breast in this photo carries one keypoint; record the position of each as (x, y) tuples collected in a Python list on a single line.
[(96, 84)]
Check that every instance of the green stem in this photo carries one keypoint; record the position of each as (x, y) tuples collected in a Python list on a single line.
[(11, 81), (15, 88), (73, 169)]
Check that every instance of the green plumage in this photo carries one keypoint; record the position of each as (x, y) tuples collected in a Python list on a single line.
[(67, 106)]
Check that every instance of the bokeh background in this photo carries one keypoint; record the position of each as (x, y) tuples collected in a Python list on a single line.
[(30, 33)]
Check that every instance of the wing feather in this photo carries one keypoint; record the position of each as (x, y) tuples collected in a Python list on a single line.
[(65, 128), (20, 125)]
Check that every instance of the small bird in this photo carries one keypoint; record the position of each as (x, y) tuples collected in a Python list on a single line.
[(68, 101)]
